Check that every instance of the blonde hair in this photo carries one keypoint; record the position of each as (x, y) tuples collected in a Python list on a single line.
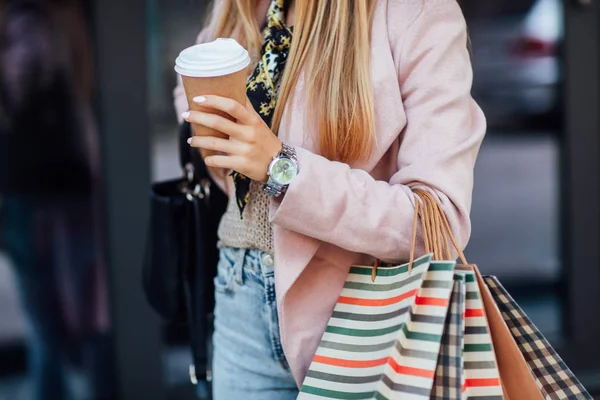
[(331, 46)]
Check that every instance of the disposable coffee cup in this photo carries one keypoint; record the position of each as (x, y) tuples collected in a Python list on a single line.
[(217, 68)]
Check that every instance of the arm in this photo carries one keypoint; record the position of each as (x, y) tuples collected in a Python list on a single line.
[(438, 150)]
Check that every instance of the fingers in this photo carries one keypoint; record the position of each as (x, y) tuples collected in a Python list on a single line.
[(216, 122), (225, 162), (229, 106), (217, 144)]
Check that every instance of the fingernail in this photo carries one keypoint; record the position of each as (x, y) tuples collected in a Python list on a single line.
[(199, 99), (189, 141), (185, 115)]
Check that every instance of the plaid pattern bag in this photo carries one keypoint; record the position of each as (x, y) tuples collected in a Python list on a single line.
[(449, 378), (554, 379)]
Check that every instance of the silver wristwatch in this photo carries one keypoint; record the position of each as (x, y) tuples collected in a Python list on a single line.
[(282, 170)]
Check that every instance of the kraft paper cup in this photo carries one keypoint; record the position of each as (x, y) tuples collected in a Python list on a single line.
[(217, 68)]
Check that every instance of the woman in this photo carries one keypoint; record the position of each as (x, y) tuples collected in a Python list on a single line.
[(372, 99)]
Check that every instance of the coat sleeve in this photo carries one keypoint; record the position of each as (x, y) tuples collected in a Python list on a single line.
[(334, 203)]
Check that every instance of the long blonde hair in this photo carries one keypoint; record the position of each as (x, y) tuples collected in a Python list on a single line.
[(331, 48)]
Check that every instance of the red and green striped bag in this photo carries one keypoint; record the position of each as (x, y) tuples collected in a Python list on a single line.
[(384, 336), (480, 369)]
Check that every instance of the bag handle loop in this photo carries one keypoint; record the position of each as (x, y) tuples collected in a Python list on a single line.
[(435, 230)]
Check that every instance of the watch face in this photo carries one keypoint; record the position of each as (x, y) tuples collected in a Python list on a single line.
[(283, 171)]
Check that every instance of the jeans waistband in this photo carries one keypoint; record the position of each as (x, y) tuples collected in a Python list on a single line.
[(249, 260)]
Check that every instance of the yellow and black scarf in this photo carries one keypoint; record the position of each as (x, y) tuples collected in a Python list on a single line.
[(263, 85)]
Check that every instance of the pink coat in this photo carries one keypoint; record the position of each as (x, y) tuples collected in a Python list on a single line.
[(428, 134)]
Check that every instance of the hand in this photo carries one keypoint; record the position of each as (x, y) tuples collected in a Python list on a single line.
[(251, 145)]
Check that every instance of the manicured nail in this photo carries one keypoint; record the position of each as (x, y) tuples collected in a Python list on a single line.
[(189, 141), (185, 115), (199, 99)]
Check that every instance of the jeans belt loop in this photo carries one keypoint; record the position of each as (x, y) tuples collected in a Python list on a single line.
[(238, 269)]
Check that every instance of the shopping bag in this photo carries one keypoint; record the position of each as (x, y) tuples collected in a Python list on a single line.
[(480, 370), (382, 329), (385, 339), (448, 382), (517, 380), (552, 376), (411, 367)]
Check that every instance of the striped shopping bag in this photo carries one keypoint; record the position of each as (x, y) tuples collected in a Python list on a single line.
[(411, 367), (481, 374), (383, 339), (412, 332)]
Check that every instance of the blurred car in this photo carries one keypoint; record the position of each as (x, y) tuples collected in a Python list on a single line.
[(516, 60)]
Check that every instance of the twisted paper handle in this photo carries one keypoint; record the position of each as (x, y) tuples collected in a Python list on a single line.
[(435, 231)]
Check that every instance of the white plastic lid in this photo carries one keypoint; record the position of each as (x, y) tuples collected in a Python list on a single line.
[(217, 58)]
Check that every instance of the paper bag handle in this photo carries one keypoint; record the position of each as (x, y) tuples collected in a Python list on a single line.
[(435, 230)]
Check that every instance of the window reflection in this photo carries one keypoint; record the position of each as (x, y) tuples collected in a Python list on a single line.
[(517, 60)]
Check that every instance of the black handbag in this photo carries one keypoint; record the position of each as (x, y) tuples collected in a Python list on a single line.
[(181, 254)]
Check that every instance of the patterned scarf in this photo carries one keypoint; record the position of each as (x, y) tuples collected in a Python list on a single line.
[(263, 85)]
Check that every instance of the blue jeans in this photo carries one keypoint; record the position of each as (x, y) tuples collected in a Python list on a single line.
[(248, 360)]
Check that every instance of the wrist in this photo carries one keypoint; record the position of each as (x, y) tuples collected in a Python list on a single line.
[(274, 151)]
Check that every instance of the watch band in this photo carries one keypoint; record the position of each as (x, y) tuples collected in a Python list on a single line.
[(272, 188), (289, 152)]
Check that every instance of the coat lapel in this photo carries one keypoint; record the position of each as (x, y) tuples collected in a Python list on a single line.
[(293, 251)]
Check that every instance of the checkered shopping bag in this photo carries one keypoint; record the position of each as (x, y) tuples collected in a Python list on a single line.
[(448, 382), (554, 379), (467, 366)]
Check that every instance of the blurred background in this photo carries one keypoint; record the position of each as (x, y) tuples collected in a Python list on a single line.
[(73, 321)]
